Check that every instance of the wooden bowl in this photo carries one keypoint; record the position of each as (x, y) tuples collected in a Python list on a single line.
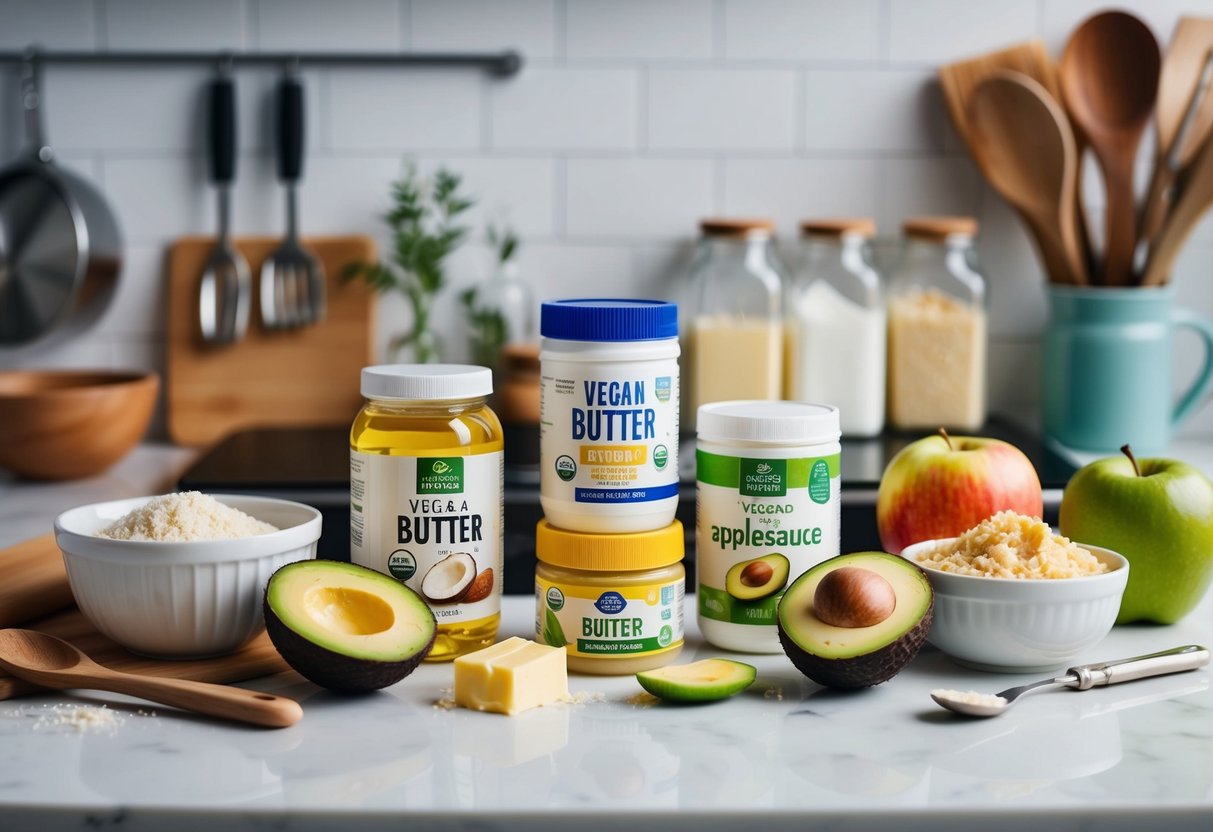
[(63, 425)]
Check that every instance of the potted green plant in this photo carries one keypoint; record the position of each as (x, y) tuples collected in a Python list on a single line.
[(425, 228)]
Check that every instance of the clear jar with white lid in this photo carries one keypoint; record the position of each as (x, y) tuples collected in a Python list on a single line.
[(768, 507), (836, 324), (733, 320), (937, 328)]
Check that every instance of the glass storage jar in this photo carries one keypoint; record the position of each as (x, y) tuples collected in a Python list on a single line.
[(733, 316), (836, 324), (937, 328)]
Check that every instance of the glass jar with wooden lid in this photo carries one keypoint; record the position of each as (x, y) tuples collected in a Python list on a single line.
[(732, 315), (836, 324), (937, 327)]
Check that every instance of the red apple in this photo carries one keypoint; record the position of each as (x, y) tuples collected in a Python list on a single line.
[(943, 486)]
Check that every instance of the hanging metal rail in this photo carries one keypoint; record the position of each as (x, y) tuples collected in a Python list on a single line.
[(499, 64)]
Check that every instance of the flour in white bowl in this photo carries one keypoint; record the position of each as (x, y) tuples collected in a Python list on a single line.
[(184, 516)]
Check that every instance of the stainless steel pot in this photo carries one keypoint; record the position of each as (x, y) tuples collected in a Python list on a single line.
[(60, 246)]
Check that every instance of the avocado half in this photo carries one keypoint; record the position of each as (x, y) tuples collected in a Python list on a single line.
[(856, 657), (346, 627), (750, 580)]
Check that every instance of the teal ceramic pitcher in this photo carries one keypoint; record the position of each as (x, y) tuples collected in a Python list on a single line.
[(1107, 368)]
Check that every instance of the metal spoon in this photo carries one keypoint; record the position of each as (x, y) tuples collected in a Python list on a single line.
[(54, 663), (1083, 677), (225, 289)]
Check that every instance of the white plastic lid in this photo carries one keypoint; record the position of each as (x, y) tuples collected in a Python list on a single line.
[(421, 382), (797, 423)]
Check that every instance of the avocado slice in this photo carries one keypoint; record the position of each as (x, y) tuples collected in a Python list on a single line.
[(346, 627), (750, 580), (855, 656), (706, 680)]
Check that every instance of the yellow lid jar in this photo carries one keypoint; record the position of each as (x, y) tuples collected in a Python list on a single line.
[(613, 601)]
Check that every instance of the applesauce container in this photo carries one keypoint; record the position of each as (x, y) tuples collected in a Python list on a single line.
[(767, 508), (426, 507), (608, 414), (613, 601)]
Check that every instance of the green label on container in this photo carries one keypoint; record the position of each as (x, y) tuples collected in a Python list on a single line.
[(763, 477), (440, 475), (819, 482), (719, 605)]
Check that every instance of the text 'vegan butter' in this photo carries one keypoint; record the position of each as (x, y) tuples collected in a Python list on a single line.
[(426, 494), (609, 414)]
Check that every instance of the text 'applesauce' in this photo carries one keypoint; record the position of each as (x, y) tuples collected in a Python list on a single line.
[(426, 503), (767, 493)]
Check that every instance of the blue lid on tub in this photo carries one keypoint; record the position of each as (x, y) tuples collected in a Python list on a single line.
[(608, 319)]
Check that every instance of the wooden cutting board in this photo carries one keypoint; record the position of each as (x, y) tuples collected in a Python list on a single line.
[(302, 377), (33, 581)]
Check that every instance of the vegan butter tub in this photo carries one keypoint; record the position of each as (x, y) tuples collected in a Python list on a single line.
[(613, 601), (608, 435), (767, 491), (426, 494)]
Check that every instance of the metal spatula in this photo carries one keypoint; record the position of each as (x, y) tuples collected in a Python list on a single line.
[(292, 279)]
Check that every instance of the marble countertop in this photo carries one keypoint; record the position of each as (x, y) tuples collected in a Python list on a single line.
[(784, 755)]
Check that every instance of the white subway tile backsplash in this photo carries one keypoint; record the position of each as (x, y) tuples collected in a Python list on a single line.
[(139, 304), (790, 190), (639, 29), (802, 30), (721, 109), (357, 25), (630, 121), (937, 31), (51, 24), (393, 110), (873, 110), (489, 25), (519, 193), (574, 109), (174, 24), (555, 271), (615, 198), (158, 198), (917, 187)]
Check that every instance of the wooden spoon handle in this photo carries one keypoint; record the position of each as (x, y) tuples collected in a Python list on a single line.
[(1121, 239), (224, 701)]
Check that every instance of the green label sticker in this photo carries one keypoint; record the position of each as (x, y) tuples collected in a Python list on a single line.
[(401, 564), (555, 599), (440, 475), (566, 468), (763, 478), (719, 605), (819, 482), (661, 455)]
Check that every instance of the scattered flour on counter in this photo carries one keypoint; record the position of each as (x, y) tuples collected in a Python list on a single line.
[(583, 697), (775, 693), (644, 699), (78, 718), (185, 516)]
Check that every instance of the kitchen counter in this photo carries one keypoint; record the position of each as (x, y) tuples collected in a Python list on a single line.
[(785, 754)]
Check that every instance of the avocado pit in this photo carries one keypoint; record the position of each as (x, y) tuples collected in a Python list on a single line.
[(852, 596)]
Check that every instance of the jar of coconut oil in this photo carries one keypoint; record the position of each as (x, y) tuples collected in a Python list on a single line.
[(426, 456)]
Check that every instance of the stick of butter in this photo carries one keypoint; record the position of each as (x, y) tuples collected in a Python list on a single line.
[(511, 676)]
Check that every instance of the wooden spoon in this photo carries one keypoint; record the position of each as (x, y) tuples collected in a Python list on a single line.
[(54, 663), (1023, 143), (1184, 68), (1195, 189), (1109, 82)]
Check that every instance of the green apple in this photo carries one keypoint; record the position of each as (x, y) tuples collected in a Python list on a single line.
[(1158, 513), (942, 486)]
